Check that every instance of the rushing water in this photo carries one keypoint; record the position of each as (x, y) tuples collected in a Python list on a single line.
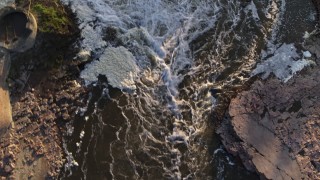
[(187, 51)]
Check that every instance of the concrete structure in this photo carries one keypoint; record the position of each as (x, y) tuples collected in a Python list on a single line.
[(18, 30)]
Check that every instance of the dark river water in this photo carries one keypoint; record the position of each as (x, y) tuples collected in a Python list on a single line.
[(165, 128)]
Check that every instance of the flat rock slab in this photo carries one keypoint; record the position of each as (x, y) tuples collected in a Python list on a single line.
[(269, 155), (275, 128)]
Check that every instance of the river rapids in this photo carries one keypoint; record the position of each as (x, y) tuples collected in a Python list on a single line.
[(185, 53)]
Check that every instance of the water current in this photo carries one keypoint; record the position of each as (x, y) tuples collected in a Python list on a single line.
[(188, 52)]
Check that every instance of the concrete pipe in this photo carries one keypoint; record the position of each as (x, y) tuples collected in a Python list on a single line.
[(18, 30)]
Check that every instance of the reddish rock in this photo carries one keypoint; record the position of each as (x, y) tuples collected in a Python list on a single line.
[(274, 127)]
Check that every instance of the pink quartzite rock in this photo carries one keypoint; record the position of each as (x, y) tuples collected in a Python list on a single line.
[(275, 127)]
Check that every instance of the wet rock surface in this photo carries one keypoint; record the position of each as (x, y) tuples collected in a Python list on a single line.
[(275, 128)]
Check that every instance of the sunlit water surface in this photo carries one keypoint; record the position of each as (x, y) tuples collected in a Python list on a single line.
[(187, 50)]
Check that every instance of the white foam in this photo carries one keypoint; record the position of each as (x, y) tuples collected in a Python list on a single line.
[(307, 54), (283, 63), (178, 137), (253, 10), (218, 150), (69, 159), (161, 30), (230, 162), (92, 16), (155, 28), (117, 64), (276, 9), (280, 59), (306, 35), (82, 134), (141, 38)]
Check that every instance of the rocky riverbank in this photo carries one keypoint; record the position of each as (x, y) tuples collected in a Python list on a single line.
[(45, 94), (34, 147), (49, 99)]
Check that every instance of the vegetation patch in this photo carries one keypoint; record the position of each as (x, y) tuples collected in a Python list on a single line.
[(51, 20), (50, 14)]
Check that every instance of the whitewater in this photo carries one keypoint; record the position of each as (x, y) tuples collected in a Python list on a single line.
[(162, 72)]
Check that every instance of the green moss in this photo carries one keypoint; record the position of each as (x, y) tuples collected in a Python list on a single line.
[(51, 19)]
